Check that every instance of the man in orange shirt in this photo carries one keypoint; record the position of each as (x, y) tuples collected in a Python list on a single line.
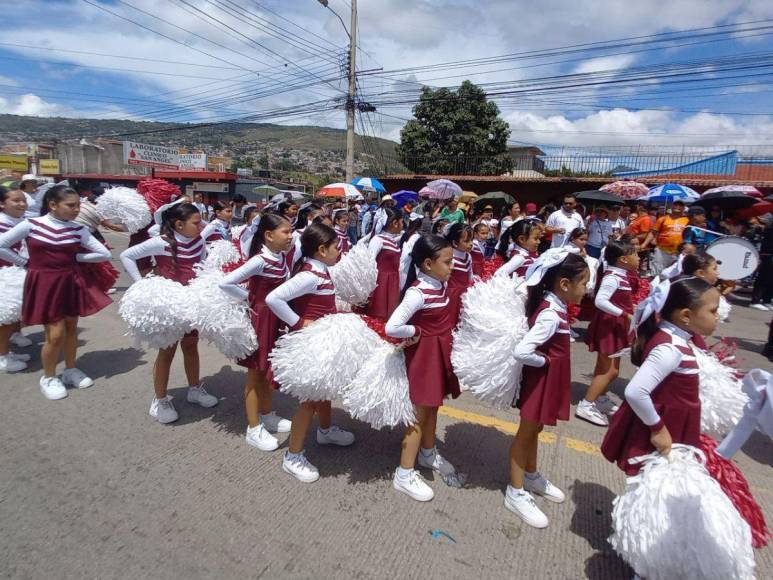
[(667, 233)]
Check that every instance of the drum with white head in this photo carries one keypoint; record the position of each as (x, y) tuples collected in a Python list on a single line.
[(737, 256)]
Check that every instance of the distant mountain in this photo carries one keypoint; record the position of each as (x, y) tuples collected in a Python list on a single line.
[(233, 139)]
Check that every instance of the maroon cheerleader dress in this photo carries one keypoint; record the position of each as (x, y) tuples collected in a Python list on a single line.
[(313, 306), (136, 239), (6, 223), (478, 259), (676, 401), (386, 296), (264, 321), (608, 334), (344, 245), (431, 376), (546, 391), (460, 280), (189, 253)]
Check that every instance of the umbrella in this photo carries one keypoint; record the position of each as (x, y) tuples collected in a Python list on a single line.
[(427, 192), (468, 197), (598, 196), (267, 190), (346, 190), (759, 208), (369, 184), (286, 195), (626, 189), (747, 189), (405, 196), (670, 192), (496, 199), (726, 200), (444, 189)]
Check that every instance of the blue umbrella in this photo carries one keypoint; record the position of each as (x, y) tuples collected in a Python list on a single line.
[(670, 192), (368, 184), (405, 196)]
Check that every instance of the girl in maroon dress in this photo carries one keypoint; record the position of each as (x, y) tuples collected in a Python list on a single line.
[(425, 319), (480, 235), (460, 236), (341, 226), (266, 269), (609, 333), (525, 235), (556, 279), (55, 292), (220, 227), (13, 204), (176, 251), (662, 405), (308, 296), (385, 249)]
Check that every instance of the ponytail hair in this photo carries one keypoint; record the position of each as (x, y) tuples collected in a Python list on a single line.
[(456, 232), (515, 231), (303, 215), (413, 227), (613, 251), (392, 214), (694, 262), (572, 268), (312, 238), (426, 247), (268, 223), (177, 212), (57, 194), (684, 293)]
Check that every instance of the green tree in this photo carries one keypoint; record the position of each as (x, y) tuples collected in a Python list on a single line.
[(455, 132)]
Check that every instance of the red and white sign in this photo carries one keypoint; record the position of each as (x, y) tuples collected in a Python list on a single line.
[(150, 155), (193, 161)]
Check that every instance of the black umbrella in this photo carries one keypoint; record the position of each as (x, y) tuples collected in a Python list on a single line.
[(726, 200), (496, 199), (598, 196)]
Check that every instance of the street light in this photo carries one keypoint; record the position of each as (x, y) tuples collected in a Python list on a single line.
[(326, 5)]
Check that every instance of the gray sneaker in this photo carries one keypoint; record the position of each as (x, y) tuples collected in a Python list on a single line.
[(163, 411)]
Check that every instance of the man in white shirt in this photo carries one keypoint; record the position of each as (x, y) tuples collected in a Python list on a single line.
[(204, 210), (561, 222)]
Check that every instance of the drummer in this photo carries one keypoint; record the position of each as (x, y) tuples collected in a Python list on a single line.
[(696, 232)]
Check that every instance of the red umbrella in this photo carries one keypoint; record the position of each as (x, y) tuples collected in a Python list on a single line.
[(627, 189), (759, 208)]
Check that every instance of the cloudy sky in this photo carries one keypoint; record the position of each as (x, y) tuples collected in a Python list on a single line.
[(601, 72)]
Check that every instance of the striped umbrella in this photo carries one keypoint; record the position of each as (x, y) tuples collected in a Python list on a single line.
[(627, 189), (369, 184), (345, 190)]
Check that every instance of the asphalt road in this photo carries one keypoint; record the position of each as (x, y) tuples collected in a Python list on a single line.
[(92, 487)]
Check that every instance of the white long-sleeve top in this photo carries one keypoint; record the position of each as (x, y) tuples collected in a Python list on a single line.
[(7, 223), (382, 242), (302, 283), (405, 257), (545, 326), (187, 248), (217, 226), (266, 263), (516, 261), (428, 293), (662, 360), (296, 243), (41, 228), (610, 283)]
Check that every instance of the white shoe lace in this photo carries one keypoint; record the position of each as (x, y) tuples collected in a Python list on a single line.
[(302, 463)]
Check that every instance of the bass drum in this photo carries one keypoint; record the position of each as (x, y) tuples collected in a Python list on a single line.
[(738, 257)]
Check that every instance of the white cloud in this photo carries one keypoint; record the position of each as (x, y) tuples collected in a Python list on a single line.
[(33, 106), (605, 63)]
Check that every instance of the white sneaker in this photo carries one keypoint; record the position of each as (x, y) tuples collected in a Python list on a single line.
[(10, 364), (299, 467), (522, 504), (606, 405), (436, 462), (276, 424), (413, 486), (590, 413), (110, 291), (18, 339), (543, 487), (260, 438), (163, 411), (76, 378), (198, 396), (335, 436), (21, 357), (573, 333), (52, 388), (759, 306)]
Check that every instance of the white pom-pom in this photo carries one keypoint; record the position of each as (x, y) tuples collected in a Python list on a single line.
[(355, 275), (11, 293), (493, 322), (723, 312), (219, 318), (125, 206), (316, 362), (236, 231), (674, 521), (156, 311), (379, 393), (220, 253), (721, 393)]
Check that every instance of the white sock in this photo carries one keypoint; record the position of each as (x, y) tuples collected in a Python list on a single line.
[(5, 357), (325, 429), (532, 475), (515, 491), (403, 473), (293, 456), (428, 452), (586, 403), (253, 429)]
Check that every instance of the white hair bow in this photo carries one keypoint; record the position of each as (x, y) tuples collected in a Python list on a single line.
[(651, 304), (381, 220), (415, 216), (539, 268), (158, 217)]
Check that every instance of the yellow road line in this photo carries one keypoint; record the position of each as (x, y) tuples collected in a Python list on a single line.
[(504, 426)]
